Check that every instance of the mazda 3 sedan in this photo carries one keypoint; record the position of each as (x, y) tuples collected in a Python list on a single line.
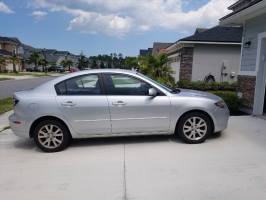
[(109, 102)]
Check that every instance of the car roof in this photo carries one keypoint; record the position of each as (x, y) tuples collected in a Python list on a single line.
[(80, 73)]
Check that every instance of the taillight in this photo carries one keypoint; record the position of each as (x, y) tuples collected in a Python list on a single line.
[(15, 101)]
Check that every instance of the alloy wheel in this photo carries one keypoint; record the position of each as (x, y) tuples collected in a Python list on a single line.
[(50, 136), (195, 128)]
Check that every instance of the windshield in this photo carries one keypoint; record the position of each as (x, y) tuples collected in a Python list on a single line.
[(168, 89)]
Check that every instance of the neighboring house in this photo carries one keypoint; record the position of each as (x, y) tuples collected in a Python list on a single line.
[(209, 54), (251, 14), (159, 47), (53, 56), (9, 47), (145, 52)]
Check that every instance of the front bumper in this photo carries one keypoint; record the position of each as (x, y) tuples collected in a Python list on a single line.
[(221, 117), (18, 126)]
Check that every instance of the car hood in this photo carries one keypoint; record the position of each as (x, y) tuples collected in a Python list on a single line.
[(195, 93)]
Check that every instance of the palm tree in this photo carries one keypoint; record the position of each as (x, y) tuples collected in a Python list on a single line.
[(156, 67), (34, 58), (3, 63), (67, 63), (15, 60)]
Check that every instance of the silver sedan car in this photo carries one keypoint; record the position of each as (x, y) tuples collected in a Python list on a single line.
[(109, 102)]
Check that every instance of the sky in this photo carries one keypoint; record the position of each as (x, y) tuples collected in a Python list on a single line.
[(106, 26)]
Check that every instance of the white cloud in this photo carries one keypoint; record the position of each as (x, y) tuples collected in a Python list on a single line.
[(119, 17), (38, 15), (4, 8)]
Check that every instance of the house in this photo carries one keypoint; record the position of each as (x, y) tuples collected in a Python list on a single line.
[(209, 54), (145, 52), (251, 14), (8, 48), (53, 56), (159, 47)]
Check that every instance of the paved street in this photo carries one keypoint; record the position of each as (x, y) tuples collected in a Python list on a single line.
[(7, 88), (228, 166)]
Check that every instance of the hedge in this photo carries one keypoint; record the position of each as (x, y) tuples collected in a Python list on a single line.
[(204, 86), (225, 90), (231, 99)]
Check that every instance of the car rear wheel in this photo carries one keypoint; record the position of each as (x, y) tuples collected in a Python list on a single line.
[(51, 136), (194, 127)]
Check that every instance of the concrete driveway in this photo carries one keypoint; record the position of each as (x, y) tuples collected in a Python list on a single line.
[(228, 166)]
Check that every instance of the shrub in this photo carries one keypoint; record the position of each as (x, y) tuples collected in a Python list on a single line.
[(204, 86), (231, 99)]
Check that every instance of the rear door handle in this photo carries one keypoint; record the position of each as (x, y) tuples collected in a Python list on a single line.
[(119, 103), (68, 104)]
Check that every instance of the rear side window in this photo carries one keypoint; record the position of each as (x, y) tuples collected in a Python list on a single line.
[(81, 85), (120, 84), (61, 88)]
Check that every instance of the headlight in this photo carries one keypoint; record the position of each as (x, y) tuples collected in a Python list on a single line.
[(220, 104)]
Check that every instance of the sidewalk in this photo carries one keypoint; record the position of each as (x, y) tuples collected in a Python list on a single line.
[(4, 120)]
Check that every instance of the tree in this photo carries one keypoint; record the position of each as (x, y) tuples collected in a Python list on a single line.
[(15, 60), (131, 62), (82, 62), (3, 63), (94, 64), (156, 67), (43, 62), (34, 59), (67, 63)]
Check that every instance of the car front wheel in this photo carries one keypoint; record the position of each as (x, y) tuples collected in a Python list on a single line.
[(51, 136), (194, 127)]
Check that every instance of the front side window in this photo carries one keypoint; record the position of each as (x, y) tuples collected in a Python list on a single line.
[(81, 85), (119, 84)]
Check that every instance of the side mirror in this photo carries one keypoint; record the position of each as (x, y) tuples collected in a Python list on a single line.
[(153, 92)]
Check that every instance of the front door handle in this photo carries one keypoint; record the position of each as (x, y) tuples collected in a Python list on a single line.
[(68, 104), (119, 103)]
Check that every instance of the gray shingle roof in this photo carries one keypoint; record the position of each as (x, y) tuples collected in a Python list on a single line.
[(217, 34), (245, 7)]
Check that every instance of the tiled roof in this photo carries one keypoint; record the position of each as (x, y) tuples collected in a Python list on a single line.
[(217, 34)]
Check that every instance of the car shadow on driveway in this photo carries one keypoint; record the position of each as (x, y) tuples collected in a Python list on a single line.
[(28, 144), (132, 140)]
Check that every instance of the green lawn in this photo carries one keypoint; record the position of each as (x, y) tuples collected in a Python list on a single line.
[(6, 104), (4, 79), (37, 74)]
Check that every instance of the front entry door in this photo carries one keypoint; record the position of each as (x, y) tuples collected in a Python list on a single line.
[(84, 105), (132, 110)]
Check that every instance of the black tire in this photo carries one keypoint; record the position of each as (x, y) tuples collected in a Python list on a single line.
[(184, 120), (65, 138)]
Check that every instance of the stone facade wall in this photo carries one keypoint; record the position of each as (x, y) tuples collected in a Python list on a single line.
[(186, 63), (246, 85)]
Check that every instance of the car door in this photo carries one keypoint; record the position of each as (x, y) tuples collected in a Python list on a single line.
[(132, 110), (84, 104)]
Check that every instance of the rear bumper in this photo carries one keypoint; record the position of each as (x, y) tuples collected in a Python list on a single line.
[(18, 126)]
